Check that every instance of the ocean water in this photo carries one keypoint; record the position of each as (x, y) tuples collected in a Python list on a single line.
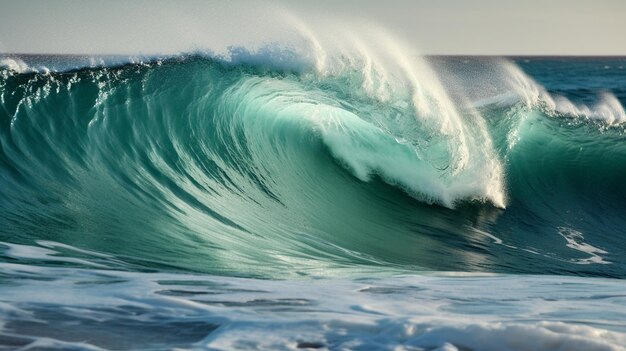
[(271, 199)]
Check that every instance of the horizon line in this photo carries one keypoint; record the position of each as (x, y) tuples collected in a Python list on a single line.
[(426, 55)]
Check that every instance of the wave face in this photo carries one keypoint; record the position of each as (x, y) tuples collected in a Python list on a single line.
[(243, 168), (139, 197)]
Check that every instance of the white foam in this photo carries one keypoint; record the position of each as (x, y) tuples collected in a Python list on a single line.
[(392, 72), (575, 240), (40, 253), (417, 312), (14, 64)]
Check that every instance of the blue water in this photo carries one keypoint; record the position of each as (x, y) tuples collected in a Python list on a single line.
[(262, 201)]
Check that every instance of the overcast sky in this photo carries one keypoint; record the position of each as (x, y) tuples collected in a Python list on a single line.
[(501, 27)]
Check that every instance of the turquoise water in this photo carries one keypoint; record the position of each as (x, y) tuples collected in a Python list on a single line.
[(260, 202)]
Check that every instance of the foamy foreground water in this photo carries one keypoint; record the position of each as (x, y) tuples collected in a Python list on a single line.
[(93, 309)]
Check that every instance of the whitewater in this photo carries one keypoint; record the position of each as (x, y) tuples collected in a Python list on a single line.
[(340, 193)]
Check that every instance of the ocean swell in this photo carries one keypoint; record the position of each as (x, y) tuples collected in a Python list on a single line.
[(305, 170)]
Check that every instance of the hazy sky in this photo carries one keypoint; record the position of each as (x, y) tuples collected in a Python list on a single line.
[(505, 27)]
